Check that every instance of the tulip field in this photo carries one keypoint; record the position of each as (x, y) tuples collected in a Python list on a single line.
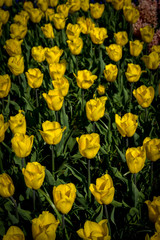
[(79, 120)]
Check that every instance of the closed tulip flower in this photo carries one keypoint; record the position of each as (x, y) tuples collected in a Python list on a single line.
[(14, 232), (117, 4), (22, 144), (3, 127), (135, 158), (48, 30), (96, 10), (152, 147), (147, 33), (87, 25), (85, 79), (49, 14), (74, 5), (85, 5), (27, 6), (52, 132), (38, 53), (53, 54), (144, 95), (133, 72), (16, 64), (1, 3), (34, 77), (17, 123), (35, 15), (4, 16), (34, 175), (59, 21), (57, 70), (44, 227), (64, 196), (95, 108), (121, 38), (151, 61), (5, 85), (64, 9), (1, 30), (62, 85), (75, 46), (18, 31), (101, 89), (73, 31), (13, 47), (156, 48), (42, 4), (94, 231), (110, 72), (54, 99), (114, 52), (53, 3), (104, 190), (135, 47), (21, 18), (131, 14), (98, 35), (126, 125), (156, 236), (8, 3), (89, 145), (153, 208), (6, 185)]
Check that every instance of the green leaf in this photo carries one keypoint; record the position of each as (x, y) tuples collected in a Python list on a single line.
[(13, 219), (75, 173), (49, 177), (112, 215), (119, 175), (100, 215), (25, 214), (2, 229), (121, 154)]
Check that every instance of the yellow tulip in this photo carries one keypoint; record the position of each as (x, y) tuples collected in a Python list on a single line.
[(38, 53), (126, 125), (7, 188), (94, 231), (54, 99), (5, 85), (3, 128), (8, 3), (87, 25), (104, 190), (52, 132), (121, 38), (16, 64), (95, 108), (73, 31), (49, 14), (1, 3), (14, 232), (75, 45), (156, 236), (18, 31), (35, 15), (153, 208), (27, 6), (133, 72), (131, 14), (117, 4), (74, 5), (4, 16), (59, 21), (44, 227), (22, 144), (135, 158), (53, 3), (96, 10), (85, 5), (156, 48), (43, 4), (152, 60), (57, 70), (114, 52), (21, 18), (147, 33), (62, 85), (98, 35), (1, 30), (64, 196), (34, 77), (144, 95), (101, 89), (157, 225), (152, 147), (48, 30), (53, 54), (110, 72), (64, 9), (13, 47), (135, 47), (34, 175), (17, 123), (85, 79), (89, 145)]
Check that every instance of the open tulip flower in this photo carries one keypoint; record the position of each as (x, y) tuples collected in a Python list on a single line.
[(153, 208), (53, 54), (3, 128), (62, 85), (96, 10), (48, 30), (121, 38), (17, 123), (54, 99), (57, 69), (75, 45), (34, 77), (73, 31), (110, 72), (114, 52), (7, 188), (147, 33), (133, 72), (152, 147), (94, 231), (98, 35), (85, 79), (16, 64), (135, 47), (131, 14), (38, 53), (152, 60), (144, 95), (13, 47), (14, 232), (126, 125)]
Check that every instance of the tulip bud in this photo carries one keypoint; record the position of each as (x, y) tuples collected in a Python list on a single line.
[(152, 147)]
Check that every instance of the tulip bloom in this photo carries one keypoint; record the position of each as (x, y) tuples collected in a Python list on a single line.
[(101, 89), (54, 99), (135, 47), (6, 185), (38, 53), (44, 227), (34, 77), (59, 21), (147, 34), (104, 190), (53, 54), (57, 70), (4, 16), (133, 72), (53, 3), (135, 158), (17, 123), (144, 95), (16, 64), (121, 38), (42, 4), (152, 147), (126, 125), (96, 10), (95, 108), (131, 14), (151, 61), (34, 175), (153, 208), (110, 72), (22, 144), (73, 31), (62, 85), (85, 79), (87, 25), (48, 30), (35, 15), (52, 132), (18, 31), (98, 35), (13, 47), (14, 232), (75, 46), (114, 52), (64, 9), (5, 85), (64, 196), (85, 5), (117, 4), (74, 5), (89, 145), (3, 128)]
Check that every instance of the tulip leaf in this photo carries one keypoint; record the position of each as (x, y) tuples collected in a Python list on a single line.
[(25, 214), (119, 175), (75, 173), (112, 215), (121, 154), (100, 215), (49, 177), (13, 219), (2, 229)]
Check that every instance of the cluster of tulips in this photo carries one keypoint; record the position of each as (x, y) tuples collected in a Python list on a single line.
[(64, 195)]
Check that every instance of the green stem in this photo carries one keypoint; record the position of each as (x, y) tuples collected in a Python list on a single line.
[(15, 205), (36, 92), (151, 174), (1, 163), (127, 142), (34, 199), (146, 114), (135, 202), (53, 162), (89, 179), (63, 226), (23, 162), (107, 217), (51, 204), (76, 64)]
